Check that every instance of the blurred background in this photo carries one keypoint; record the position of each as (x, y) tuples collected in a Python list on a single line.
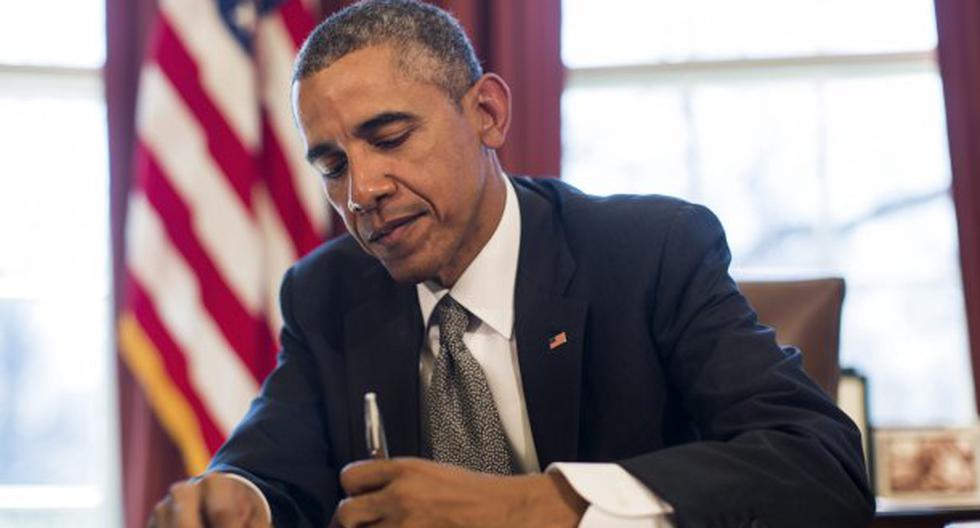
[(815, 129)]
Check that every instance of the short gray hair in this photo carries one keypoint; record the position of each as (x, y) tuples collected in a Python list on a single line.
[(429, 43)]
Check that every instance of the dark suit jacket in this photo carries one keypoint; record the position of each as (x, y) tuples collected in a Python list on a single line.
[(666, 371)]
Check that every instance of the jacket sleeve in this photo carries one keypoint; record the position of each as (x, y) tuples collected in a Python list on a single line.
[(281, 444), (774, 450)]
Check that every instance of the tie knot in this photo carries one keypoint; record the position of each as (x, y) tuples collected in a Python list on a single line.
[(452, 318)]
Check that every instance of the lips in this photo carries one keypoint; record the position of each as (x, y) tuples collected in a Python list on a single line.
[(382, 233)]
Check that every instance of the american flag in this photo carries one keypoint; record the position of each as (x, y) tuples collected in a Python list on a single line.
[(222, 203)]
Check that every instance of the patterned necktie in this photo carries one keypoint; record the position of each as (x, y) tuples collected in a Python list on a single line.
[(463, 423)]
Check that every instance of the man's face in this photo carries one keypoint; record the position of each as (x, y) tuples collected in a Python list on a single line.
[(401, 163)]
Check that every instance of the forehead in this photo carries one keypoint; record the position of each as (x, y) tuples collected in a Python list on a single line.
[(356, 88)]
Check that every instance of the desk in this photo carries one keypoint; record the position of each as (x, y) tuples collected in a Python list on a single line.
[(892, 516)]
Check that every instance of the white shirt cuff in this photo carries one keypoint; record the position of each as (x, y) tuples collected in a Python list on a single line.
[(251, 485), (615, 497)]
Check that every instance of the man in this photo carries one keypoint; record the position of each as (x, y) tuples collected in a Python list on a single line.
[(508, 326)]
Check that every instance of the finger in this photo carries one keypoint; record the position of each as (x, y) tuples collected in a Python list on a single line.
[(185, 508), (355, 512), (367, 475), (257, 522), (160, 516), (227, 502)]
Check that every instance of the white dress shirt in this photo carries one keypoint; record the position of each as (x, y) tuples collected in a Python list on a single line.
[(486, 290)]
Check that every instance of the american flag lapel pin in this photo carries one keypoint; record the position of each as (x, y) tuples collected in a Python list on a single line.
[(557, 340)]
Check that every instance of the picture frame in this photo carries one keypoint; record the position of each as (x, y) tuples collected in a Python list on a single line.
[(928, 466)]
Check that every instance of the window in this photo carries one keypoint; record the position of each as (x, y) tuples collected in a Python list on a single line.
[(815, 130), (58, 434)]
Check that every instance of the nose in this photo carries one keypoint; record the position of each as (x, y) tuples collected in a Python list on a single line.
[(368, 185)]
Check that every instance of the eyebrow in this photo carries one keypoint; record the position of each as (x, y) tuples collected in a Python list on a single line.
[(363, 130)]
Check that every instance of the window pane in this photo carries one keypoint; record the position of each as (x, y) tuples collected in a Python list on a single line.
[(841, 175), (635, 140), (656, 31), (52, 32), (54, 196), (57, 429), (54, 376)]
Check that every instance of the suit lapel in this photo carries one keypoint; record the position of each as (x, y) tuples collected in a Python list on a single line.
[(383, 339), (550, 330)]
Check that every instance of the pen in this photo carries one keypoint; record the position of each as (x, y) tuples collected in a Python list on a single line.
[(374, 427)]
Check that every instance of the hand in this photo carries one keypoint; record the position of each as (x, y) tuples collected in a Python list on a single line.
[(415, 492), (214, 500)]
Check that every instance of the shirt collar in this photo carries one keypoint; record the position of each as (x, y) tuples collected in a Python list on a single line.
[(486, 287)]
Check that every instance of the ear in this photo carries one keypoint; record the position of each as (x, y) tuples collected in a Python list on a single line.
[(488, 103)]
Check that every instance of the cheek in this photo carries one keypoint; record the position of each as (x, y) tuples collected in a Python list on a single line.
[(446, 174)]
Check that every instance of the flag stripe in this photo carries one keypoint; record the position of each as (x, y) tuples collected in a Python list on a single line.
[(232, 156), (245, 333), (274, 53), (216, 372), (177, 416), (224, 66), (312, 9), (172, 361), (297, 20), (226, 229), (280, 184), (279, 256)]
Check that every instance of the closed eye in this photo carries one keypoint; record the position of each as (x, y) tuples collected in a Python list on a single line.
[(391, 143), (334, 170)]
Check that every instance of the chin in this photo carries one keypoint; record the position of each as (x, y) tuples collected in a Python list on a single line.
[(405, 272)]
